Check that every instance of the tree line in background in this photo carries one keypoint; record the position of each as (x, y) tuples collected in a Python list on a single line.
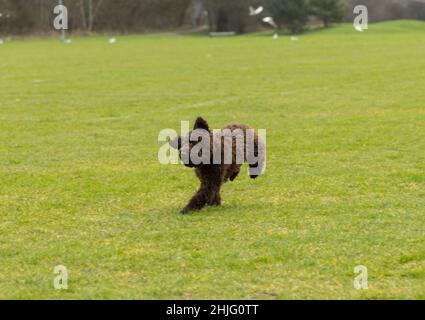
[(36, 16), (23, 16), (294, 14)]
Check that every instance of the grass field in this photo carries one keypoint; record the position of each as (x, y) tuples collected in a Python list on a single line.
[(80, 183)]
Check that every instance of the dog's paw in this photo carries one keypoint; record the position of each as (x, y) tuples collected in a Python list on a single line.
[(185, 210)]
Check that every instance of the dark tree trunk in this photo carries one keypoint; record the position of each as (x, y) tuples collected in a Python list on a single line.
[(326, 22)]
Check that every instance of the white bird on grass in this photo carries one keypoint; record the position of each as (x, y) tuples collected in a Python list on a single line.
[(270, 21), (112, 40), (275, 36), (67, 41), (254, 12), (294, 38), (1, 41)]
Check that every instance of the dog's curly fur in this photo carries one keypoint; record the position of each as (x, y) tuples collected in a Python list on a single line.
[(212, 176)]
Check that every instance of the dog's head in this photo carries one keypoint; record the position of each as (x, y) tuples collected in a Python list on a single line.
[(194, 138)]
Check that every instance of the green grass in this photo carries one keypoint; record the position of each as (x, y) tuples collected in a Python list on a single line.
[(80, 183)]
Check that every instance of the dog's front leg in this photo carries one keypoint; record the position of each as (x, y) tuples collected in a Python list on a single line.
[(198, 201)]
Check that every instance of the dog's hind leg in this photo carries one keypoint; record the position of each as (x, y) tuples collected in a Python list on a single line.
[(253, 171), (256, 158), (198, 201)]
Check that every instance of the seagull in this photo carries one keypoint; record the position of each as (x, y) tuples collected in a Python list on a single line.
[(1, 41), (275, 36), (270, 21), (294, 38), (254, 12), (112, 40), (68, 41)]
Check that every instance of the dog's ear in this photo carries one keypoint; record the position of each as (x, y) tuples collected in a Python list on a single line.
[(176, 143), (200, 123)]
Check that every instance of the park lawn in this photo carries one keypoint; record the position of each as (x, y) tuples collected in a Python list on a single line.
[(81, 185)]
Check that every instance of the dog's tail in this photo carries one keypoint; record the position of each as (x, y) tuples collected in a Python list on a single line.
[(256, 157)]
